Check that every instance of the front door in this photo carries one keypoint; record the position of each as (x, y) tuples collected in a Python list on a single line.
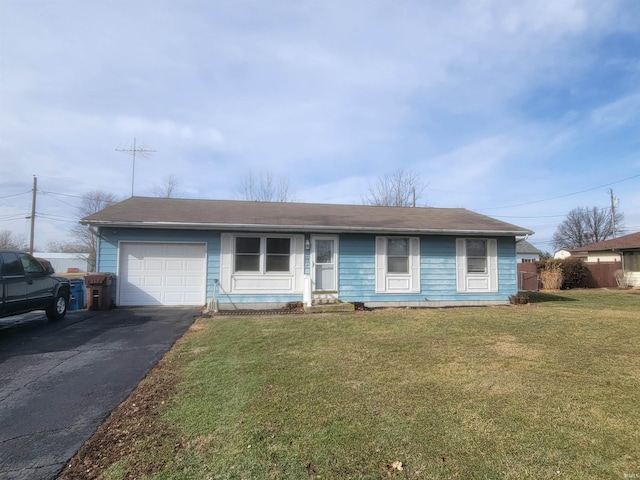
[(324, 254)]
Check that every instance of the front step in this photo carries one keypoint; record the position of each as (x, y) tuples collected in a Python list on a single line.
[(328, 305)]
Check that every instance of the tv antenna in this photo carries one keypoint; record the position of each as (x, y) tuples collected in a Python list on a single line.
[(140, 151)]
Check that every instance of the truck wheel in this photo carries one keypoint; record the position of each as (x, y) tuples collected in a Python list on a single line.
[(58, 309)]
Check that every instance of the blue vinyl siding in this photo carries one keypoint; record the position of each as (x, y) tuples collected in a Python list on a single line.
[(438, 264), (438, 271), (356, 267)]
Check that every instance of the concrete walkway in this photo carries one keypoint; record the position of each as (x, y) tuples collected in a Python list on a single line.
[(60, 380)]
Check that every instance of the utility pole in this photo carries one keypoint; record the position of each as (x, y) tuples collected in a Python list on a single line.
[(33, 214), (613, 213), (141, 151)]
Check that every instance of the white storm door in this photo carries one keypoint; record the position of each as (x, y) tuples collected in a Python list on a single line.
[(324, 256)]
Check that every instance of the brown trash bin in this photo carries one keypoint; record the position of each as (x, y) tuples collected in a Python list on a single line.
[(98, 291)]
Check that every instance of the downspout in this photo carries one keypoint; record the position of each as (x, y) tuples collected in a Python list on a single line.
[(621, 253)]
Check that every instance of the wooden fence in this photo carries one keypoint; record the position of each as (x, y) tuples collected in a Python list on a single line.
[(600, 275), (528, 279)]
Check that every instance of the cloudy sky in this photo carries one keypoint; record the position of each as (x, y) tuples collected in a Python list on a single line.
[(518, 110)]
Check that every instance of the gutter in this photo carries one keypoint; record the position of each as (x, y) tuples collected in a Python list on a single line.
[(302, 228)]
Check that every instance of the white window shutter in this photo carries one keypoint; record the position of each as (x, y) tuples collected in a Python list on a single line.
[(297, 262), (381, 244), (415, 264), (226, 261), (461, 271), (492, 253)]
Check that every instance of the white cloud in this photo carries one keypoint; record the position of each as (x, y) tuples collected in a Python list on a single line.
[(461, 176), (617, 113), (170, 129)]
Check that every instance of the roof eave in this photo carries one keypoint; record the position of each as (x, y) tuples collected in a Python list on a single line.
[(298, 228)]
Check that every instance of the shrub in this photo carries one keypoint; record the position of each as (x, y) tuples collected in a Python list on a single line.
[(519, 299), (562, 274), (550, 275), (574, 273)]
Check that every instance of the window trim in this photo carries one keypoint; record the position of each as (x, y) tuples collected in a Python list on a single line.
[(484, 258), (247, 255), (396, 282), (389, 256), (275, 255), (260, 283), (262, 255), (477, 282)]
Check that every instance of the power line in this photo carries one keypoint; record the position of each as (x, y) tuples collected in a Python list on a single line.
[(61, 194), (530, 216), (54, 216), (15, 195), (51, 195), (53, 221), (600, 209), (17, 216), (565, 195)]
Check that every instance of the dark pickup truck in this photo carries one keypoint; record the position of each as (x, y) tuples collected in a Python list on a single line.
[(27, 284)]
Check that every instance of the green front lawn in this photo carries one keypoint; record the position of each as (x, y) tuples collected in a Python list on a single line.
[(548, 390)]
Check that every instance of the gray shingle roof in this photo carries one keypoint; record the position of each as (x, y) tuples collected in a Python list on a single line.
[(631, 241), (151, 212), (525, 248)]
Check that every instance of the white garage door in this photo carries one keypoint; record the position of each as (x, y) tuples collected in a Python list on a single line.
[(162, 274)]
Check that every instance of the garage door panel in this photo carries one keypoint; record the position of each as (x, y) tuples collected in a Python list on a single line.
[(192, 298), (134, 263), (173, 298), (192, 266), (154, 250), (153, 264), (172, 281), (177, 250), (133, 299), (162, 274), (194, 282), (134, 280), (152, 281), (175, 265)]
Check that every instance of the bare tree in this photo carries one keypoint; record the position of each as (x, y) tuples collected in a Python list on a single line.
[(265, 188), (168, 189), (91, 203), (402, 188), (12, 242), (585, 225), (66, 247)]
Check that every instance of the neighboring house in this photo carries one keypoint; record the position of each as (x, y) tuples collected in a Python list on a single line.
[(526, 253), (66, 262), (240, 254), (625, 249)]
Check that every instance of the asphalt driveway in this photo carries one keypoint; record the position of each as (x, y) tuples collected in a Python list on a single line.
[(60, 380)]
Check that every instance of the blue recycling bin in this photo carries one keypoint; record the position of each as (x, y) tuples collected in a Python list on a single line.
[(77, 300)]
